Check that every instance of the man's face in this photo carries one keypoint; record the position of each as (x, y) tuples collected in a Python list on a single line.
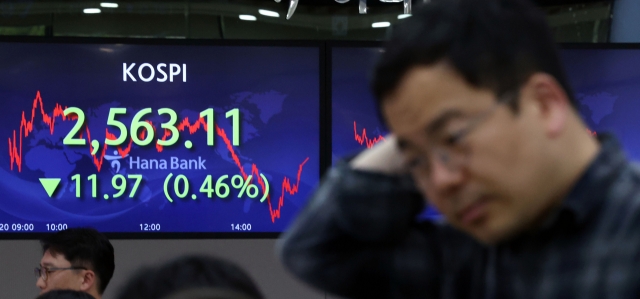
[(60, 279), (489, 183)]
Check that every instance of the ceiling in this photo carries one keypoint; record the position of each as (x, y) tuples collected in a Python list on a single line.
[(573, 20)]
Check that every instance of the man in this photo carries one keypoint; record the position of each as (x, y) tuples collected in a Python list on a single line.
[(484, 126), (79, 259)]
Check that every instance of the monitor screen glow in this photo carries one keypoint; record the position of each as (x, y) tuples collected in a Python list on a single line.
[(132, 138)]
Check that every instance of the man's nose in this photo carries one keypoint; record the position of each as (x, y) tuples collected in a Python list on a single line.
[(443, 179), (40, 283)]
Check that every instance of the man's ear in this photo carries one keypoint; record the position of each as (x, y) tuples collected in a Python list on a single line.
[(551, 100), (89, 280)]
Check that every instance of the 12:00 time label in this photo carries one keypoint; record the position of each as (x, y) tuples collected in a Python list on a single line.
[(150, 227)]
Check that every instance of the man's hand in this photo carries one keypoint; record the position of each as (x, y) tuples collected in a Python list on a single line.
[(384, 157)]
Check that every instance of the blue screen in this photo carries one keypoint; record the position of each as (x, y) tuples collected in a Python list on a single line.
[(354, 121), (157, 138), (604, 81), (355, 124)]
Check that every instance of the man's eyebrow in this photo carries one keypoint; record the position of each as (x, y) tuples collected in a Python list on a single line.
[(439, 122), (434, 126)]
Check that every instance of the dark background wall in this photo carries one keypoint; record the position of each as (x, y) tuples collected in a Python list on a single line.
[(19, 257)]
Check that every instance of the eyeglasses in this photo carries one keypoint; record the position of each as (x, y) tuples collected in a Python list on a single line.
[(448, 151), (42, 272)]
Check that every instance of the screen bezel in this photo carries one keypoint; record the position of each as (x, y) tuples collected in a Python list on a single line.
[(321, 46), (330, 45), (380, 44)]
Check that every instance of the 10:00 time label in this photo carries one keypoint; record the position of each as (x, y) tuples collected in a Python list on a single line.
[(54, 227)]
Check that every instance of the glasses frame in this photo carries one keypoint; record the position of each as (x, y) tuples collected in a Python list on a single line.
[(443, 153), (43, 272)]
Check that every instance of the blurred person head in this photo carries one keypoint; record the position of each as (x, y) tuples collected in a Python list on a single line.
[(207, 293), (475, 93), (65, 294), (189, 272), (78, 259)]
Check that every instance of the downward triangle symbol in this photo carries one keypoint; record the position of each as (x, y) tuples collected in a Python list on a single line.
[(50, 185)]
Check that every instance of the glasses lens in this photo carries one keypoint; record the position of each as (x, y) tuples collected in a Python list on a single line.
[(451, 159), (38, 272)]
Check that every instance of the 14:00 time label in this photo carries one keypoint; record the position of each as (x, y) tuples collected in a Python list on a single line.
[(241, 227)]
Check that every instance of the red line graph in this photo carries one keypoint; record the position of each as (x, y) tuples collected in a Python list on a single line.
[(185, 124), (363, 138), (26, 127), (286, 183)]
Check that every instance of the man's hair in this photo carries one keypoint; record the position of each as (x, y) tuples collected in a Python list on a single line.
[(207, 293), (492, 44), (186, 273), (65, 294), (84, 247)]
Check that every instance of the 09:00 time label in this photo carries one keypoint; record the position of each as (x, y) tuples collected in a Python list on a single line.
[(17, 227)]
